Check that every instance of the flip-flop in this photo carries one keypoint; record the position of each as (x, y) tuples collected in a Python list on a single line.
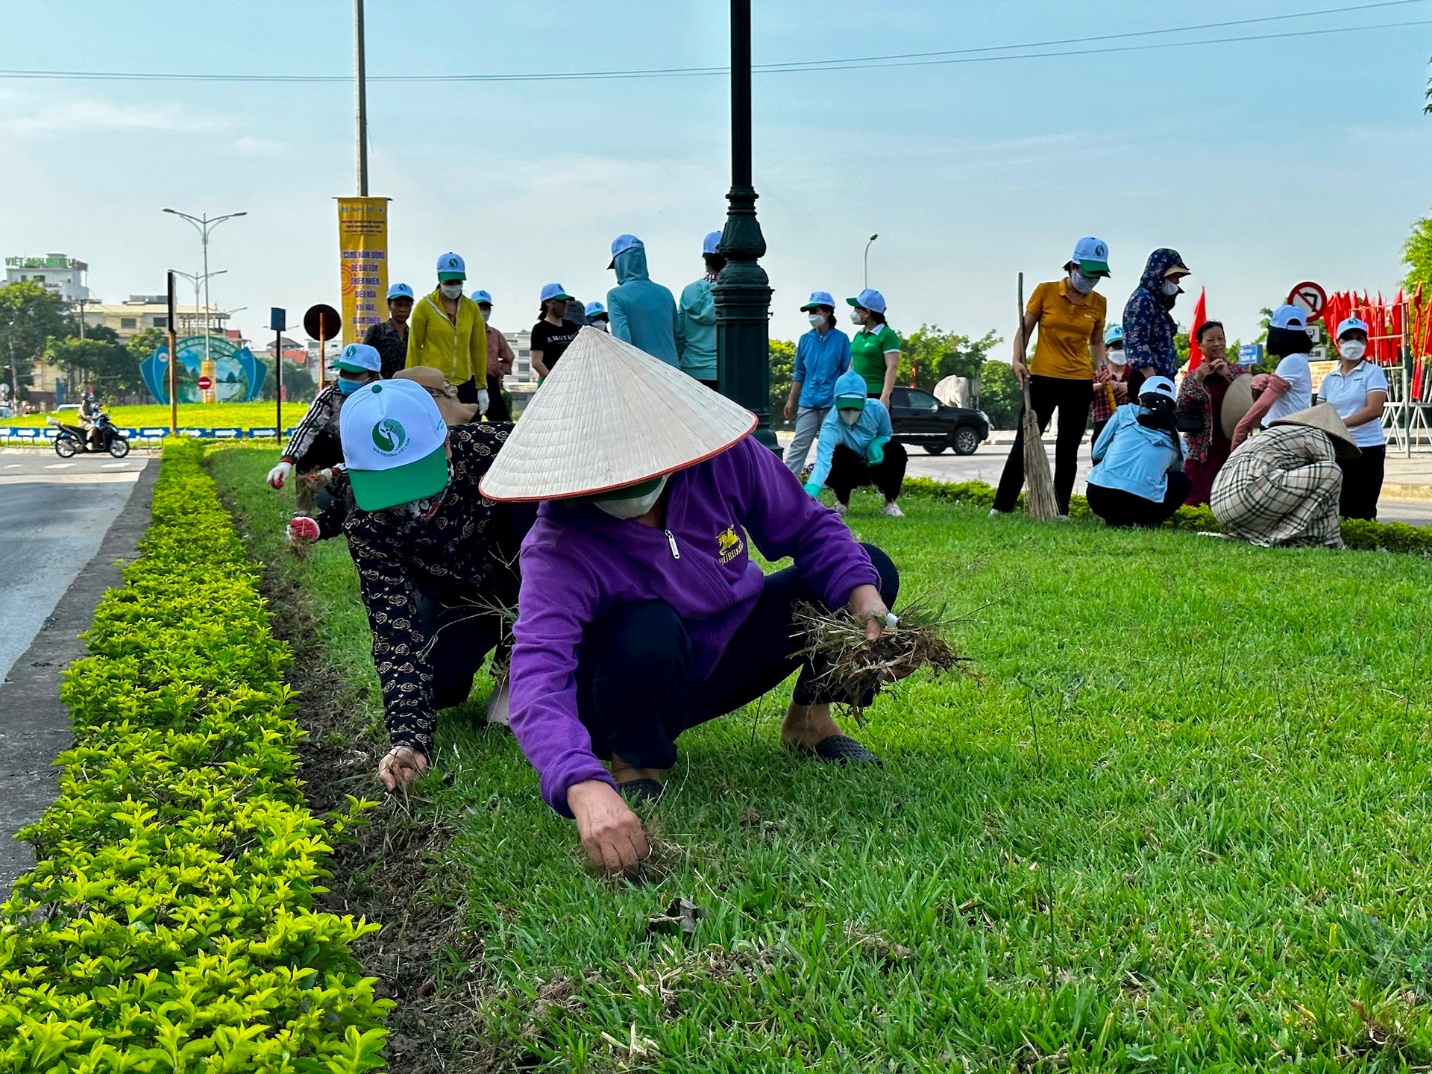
[(842, 749), (641, 791)]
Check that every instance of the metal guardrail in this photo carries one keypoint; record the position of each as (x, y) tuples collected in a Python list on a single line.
[(36, 434)]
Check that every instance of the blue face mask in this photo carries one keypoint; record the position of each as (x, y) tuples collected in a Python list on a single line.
[(348, 387)]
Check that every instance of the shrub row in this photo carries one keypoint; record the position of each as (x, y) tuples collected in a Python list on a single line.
[(169, 925), (1356, 533)]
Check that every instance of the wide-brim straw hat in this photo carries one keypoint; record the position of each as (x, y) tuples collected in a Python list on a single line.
[(1237, 401), (611, 415), (1324, 418), (454, 411)]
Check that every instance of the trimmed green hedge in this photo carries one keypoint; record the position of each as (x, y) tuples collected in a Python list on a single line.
[(169, 924), (1356, 533)]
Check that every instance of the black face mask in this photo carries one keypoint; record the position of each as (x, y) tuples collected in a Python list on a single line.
[(1285, 341), (1160, 415)]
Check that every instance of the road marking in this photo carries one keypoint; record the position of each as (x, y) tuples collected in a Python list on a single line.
[(59, 466), (113, 465), (12, 466)]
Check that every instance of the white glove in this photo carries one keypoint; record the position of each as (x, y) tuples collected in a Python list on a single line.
[(279, 474), (482, 400)]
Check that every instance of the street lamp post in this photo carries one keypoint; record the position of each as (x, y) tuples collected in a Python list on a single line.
[(196, 278), (867, 260), (743, 292), (203, 225)]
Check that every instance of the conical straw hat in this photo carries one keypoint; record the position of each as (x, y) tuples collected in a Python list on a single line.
[(1324, 418), (1237, 401), (611, 415)]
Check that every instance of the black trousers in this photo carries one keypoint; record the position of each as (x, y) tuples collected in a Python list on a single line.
[(458, 643), (1362, 483), (635, 690), (496, 403), (467, 391), (1072, 398), (1119, 508), (849, 470)]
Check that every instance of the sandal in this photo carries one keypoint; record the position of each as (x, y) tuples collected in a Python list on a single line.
[(842, 749), (641, 791)]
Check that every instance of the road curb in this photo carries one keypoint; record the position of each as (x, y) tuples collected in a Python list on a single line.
[(36, 726)]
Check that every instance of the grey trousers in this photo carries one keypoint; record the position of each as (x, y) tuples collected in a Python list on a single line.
[(808, 421)]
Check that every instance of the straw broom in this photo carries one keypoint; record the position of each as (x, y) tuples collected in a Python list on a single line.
[(1037, 477)]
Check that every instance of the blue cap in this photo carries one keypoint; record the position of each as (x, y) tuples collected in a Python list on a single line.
[(1351, 324), (399, 290), (595, 308), (870, 300), (481, 298), (1091, 256), (1113, 334), (818, 298), (1289, 317), (621, 244), (554, 290), (451, 267), (710, 242), (358, 358)]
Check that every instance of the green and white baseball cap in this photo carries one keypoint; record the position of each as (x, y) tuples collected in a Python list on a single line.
[(394, 444), (1091, 256), (359, 358)]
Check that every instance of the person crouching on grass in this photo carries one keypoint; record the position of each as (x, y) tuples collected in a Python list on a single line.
[(855, 448), (1138, 477), (436, 560), (642, 613)]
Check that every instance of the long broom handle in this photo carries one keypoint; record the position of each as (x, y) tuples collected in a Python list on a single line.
[(1023, 341)]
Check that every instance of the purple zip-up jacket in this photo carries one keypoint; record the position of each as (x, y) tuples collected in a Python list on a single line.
[(577, 562)]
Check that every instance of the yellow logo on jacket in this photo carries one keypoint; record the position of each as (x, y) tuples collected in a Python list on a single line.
[(729, 544)]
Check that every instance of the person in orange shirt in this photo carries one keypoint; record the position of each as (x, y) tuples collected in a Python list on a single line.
[(499, 361), (1070, 318)]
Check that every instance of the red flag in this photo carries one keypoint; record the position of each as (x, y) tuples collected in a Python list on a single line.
[(1200, 314)]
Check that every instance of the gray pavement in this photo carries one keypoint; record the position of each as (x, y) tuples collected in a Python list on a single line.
[(66, 529)]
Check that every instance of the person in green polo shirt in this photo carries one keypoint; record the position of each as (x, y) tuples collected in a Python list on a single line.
[(875, 350)]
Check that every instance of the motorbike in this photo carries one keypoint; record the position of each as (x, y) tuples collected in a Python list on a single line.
[(73, 440)]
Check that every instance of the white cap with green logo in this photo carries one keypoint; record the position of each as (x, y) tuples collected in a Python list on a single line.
[(394, 444)]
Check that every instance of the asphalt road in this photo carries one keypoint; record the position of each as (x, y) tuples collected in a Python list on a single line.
[(987, 463), (53, 515)]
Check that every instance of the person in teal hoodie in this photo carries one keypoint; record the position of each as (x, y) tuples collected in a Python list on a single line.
[(642, 313), (696, 326), (855, 448)]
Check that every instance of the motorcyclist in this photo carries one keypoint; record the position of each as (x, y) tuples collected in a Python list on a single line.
[(89, 419)]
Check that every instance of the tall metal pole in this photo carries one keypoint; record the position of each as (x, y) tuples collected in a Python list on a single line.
[(360, 91), (867, 260), (206, 293), (742, 291), (173, 362)]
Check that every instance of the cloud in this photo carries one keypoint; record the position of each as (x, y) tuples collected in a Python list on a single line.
[(27, 115)]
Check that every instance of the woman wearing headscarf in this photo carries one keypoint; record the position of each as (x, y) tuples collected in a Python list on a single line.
[(1282, 487), (855, 449), (642, 612), (822, 355), (1289, 388), (1148, 323), (1138, 477), (1357, 390), (1200, 408), (1069, 314)]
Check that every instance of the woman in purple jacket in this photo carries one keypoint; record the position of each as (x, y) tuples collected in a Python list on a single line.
[(641, 613)]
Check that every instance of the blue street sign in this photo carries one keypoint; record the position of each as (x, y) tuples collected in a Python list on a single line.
[(1250, 353), (278, 319)]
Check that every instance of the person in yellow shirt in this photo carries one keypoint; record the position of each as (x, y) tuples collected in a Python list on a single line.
[(447, 333), (1070, 318)]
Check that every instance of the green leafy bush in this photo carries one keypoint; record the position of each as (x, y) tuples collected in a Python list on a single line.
[(1356, 533), (169, 925)]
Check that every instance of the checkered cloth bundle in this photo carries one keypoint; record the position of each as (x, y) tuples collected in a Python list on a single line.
[(1281, 487)]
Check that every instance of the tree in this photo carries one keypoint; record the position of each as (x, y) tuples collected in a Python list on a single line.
[(143, 344), (108, 365), (1000, 394), (929, 355), (783, 367), (1417, 255), (29, 317)]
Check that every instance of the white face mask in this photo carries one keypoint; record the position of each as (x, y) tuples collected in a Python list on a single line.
[(1170, 287), (1352, 350), (1081, 283), (850, 417), (817, 321), (855, 317), (633, 507), (451, 290)]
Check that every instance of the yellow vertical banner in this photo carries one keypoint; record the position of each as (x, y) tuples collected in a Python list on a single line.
[(363, 263)]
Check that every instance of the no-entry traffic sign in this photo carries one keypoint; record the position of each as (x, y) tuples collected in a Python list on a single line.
[(1310, 296), (205, 383)]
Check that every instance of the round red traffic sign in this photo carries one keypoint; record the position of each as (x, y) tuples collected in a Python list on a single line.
[(205, 383), (1310, 296)]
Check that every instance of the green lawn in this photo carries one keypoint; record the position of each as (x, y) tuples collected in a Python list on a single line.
[(203, 415), (1211, 858)]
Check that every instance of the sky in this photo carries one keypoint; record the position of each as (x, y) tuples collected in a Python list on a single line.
[(1264, 162)]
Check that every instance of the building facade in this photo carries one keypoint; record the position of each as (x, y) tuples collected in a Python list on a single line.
[(131, 317), (58, 273)]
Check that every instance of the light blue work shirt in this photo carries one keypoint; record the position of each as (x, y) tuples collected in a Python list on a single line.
[(872, 427), (819, 360), (1135, 459)]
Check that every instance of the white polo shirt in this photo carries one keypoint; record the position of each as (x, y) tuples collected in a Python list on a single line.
[(1348, 394), (1294, 369)]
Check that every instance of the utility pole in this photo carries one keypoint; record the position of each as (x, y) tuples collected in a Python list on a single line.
[(867, 260), (360, 93), (203, 225), (742, 291)]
